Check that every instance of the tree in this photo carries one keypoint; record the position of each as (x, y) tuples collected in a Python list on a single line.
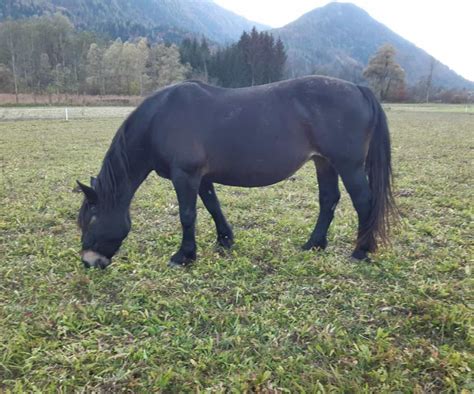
[(255, 60), (429, 79), (143, 52), (384, 74), (76, 56), (60, 76), (113, 68), (197, 55), (95, 69), (205, 57), (164, 66), (9, 34), (130, 66), (228, 67), (6, 79), (279, 61), (45, 74), (252, 48)]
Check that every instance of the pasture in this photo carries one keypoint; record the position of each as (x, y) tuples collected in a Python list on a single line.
[(264, 317)]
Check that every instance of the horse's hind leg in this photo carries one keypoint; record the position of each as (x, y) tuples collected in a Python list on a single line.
[(186, 186), (328, 198), (225, 237), (357, 185)]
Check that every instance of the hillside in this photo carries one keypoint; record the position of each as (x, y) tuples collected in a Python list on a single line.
[(158, 19), (339, 38)]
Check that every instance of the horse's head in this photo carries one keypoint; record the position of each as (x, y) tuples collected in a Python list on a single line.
[(103, 228)]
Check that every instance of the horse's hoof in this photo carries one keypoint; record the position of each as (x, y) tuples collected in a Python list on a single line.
[(181, 260), (360, 256), (314, 246), (173, 264), (225, 241)]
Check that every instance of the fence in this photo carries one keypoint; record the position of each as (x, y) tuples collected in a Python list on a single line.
[(69, 113), (432, 107), (62, 113)]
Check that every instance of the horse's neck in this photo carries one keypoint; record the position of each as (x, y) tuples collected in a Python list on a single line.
[(122, 173)]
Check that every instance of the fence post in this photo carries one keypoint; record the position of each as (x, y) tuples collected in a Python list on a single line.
[(67, 115)]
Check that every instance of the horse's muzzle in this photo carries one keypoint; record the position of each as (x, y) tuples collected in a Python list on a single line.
[(92, 259)]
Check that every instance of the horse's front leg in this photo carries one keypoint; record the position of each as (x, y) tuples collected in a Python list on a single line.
[(186, 186)]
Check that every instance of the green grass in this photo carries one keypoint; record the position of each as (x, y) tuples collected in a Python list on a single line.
[(265, 317)]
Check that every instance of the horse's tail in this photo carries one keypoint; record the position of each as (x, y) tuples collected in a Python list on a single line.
[(378, 166)]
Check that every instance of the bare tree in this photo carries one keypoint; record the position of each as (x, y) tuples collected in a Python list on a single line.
[(384, 74), (164, 66), (9, 34), (429, 80), (95, 69)]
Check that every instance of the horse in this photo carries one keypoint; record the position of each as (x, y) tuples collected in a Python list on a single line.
[(196, 135)]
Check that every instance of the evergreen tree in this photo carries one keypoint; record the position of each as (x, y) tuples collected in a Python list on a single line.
[(197, 55), (255, 60), (279, 61)]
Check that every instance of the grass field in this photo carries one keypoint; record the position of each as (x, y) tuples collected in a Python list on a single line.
[(266, 317)]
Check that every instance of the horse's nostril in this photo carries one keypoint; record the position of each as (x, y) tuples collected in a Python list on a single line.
[(101, 264), (92, 259)]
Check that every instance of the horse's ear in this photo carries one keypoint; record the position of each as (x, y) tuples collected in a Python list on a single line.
[(93, 182), (90, 193)]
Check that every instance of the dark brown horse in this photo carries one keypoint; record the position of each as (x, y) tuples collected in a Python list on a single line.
[(196, 135)]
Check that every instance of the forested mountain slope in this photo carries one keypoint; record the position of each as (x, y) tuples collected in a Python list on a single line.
[(157, 19), (340, 38)]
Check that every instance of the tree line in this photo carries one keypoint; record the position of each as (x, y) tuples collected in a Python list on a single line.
[(47, 55), (257, 58)]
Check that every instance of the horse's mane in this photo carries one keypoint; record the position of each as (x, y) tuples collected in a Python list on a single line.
[(115, 169)]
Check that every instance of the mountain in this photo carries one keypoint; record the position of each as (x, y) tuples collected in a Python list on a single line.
[(339, 39), (158, 19)]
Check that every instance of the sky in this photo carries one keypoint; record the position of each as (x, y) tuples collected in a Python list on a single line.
[(445, 29)]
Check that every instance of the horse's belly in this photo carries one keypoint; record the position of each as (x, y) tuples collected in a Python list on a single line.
[(255, 155), (257, 173)]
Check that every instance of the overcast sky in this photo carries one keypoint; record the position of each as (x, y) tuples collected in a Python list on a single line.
[(445, 29)]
